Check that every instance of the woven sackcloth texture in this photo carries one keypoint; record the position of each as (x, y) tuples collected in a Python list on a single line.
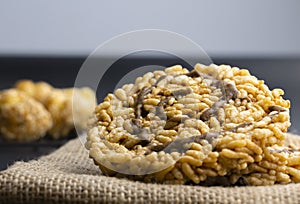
[(69, 176)]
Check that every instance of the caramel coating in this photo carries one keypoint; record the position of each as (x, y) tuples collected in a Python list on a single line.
[(22, 118)]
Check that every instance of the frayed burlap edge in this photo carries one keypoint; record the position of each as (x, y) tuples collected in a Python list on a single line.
[(69, 176)]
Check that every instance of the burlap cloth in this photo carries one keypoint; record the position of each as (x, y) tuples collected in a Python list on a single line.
[(69, 176)]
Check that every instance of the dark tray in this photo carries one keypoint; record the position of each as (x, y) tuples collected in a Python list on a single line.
[(11, 151)]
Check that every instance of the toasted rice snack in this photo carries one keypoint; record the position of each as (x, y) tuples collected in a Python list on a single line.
[(214, 125), (22, 118), (40, 91), (84, 103), (61, 111), (59, 104)]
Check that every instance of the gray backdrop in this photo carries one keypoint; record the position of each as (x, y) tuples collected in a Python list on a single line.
[(222, 28)]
